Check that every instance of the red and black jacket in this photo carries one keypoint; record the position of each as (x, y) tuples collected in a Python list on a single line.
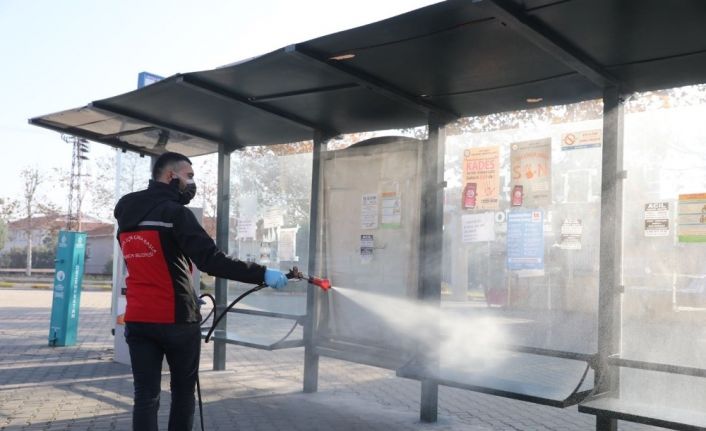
[(159, 239)]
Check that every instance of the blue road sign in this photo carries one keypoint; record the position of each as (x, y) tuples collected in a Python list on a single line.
[(145, 78)]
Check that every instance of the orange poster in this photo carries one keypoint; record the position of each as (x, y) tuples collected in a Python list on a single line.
[(481, 170), (531, 163)]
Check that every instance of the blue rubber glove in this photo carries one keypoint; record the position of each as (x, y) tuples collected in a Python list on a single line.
[(275, 279)]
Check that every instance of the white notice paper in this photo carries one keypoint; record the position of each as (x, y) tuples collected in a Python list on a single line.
[(582, 139), (657, 219), (369, 211), (571, 233), (367, 247), (391, 209), (274, 217), (246, 228), (287, 246), (478, 227)]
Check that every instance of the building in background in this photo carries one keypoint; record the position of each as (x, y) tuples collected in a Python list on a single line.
[(44, 230)]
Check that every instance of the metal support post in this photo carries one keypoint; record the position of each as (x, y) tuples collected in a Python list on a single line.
[(222, 226), (609, 300), (117, 275), (311, 359), (431, 244)]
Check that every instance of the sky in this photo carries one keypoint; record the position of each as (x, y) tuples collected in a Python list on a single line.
[(64, 54)]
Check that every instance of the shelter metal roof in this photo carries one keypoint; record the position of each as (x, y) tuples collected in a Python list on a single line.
[(448, 60)]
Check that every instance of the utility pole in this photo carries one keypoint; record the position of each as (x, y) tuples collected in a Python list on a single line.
[(80, 149)]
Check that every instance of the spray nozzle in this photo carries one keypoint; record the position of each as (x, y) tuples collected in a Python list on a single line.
[(323, 283)]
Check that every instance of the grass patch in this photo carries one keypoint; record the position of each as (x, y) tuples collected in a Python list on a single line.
[(40, 286), (6, 284)]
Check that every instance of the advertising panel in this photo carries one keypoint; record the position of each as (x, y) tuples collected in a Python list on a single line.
[(531, 173), (525, 242), (692, 218), (481, 176)]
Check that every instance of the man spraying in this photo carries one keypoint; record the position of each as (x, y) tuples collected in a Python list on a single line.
[(160, 238)]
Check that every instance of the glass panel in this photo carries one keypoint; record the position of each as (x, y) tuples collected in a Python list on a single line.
[(77, 116), (111, 125), (189, 146), (147, 140), (134, 172), (270, 198), (521, 243), (664, 234), (94, 120)]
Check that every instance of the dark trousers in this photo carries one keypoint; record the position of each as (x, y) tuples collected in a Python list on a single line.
[(149, 343)]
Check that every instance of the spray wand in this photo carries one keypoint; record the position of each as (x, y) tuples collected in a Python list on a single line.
[(323, 283)]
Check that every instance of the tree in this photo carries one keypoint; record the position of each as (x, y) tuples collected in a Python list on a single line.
[(3, 233), (134, 174), (31, 180), (8, 208), (51, 212)]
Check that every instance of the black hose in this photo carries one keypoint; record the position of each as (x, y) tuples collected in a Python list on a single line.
[(198, 381), (198, 391), (216, 320)]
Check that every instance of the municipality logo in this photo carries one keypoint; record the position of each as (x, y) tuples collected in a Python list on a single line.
[(60, 275), (62, 241)]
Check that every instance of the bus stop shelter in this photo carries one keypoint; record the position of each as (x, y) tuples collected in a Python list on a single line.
[(430, 67)]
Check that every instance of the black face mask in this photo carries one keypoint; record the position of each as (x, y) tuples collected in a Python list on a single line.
[(187, 194)]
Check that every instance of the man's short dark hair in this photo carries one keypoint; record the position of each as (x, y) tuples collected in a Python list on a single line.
[(167, 160)]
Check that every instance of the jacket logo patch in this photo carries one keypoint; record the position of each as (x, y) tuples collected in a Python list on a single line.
[(137, 247)]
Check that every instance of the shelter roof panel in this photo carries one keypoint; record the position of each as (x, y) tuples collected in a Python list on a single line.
[(453, 58), (351, 110), (80, 117), (619, 32), (203, 115), (559, 90), (462, 58), (411, 25), (262, 76), (120, 132), (663, 73)]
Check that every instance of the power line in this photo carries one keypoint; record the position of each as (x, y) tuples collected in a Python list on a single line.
[(79, 154)]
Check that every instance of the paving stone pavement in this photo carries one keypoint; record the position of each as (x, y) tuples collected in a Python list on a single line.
[(81, 388)]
